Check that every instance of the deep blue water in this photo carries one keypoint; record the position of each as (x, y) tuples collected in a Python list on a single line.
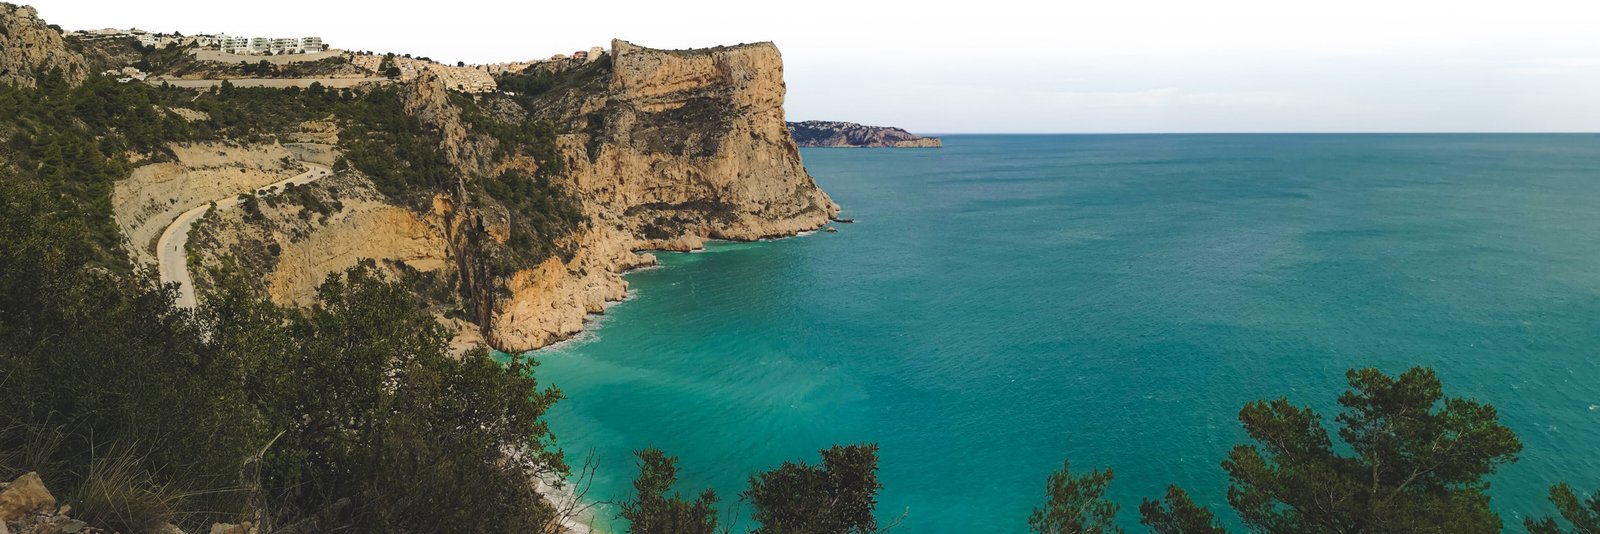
[(1009, 301)]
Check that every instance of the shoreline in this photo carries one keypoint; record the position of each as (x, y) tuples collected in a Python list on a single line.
[(591, 319), (564, 496)]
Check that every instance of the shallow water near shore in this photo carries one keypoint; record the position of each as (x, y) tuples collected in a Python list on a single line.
[(1009, 301)]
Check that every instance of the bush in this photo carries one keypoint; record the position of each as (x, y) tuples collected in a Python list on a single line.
[(838, 496), (652, 511), (1076, 504)]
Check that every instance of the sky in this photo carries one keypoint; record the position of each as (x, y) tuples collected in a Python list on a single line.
[(1023, 66)]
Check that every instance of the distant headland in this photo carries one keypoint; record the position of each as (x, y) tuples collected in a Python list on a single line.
[(849, 134)]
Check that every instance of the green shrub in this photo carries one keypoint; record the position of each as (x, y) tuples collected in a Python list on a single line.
[(652, 511)]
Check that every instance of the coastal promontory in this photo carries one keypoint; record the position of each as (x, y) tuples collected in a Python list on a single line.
[(849, 134), (511, 196)]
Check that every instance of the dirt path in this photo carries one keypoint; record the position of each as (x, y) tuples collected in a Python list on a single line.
[(170, 249), (277, 83)]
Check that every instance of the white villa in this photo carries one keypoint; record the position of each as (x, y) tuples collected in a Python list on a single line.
[(270, 45), (223, 42)]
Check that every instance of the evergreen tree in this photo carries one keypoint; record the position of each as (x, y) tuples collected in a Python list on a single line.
[(652, 511), (1177, 514), (1584, 514), (1076, 504), (837, 497), (1419, 464)]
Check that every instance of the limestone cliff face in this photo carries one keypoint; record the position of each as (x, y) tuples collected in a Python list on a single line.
[(28, 45), (678, 146), (428, 100), (692, 144)]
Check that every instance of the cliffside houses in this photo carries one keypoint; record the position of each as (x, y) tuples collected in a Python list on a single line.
[(223, 42), (143, 37), (257, 46), (127, 74)]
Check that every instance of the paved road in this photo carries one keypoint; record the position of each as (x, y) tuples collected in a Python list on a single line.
[(170, 254)]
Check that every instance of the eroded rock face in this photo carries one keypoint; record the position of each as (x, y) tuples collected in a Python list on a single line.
[(680, 147), (697, 137), (28, 45), (428, 99)]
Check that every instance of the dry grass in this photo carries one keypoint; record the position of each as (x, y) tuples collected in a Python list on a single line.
[(118, 493)]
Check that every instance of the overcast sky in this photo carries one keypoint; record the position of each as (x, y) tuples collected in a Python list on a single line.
[(1024, 66)]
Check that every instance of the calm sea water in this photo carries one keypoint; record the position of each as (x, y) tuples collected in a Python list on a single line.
[(1009, 301)]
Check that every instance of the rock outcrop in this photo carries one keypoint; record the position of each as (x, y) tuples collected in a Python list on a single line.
[(849, 134), (28, 47), (678, 146)]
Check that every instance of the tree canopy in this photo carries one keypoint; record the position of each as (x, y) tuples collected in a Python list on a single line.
[(652, 511), (1177, 514), (1076, 504), (1419, 463), (838, 496), (1582, 514)]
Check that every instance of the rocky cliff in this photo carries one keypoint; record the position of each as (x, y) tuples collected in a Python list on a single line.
[(670, 148), (536, 202), (849, 134), (29, 46)]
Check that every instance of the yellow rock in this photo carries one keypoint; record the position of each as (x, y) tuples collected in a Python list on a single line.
[(24, 495)]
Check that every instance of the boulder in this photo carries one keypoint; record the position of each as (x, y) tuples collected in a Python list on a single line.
[(230, 528), (24, 495)]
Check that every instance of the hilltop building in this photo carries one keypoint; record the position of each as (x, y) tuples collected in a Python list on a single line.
[(223, 42)]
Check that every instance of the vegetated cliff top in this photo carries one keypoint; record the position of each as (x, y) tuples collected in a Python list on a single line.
[(623, 44), (849, 134)]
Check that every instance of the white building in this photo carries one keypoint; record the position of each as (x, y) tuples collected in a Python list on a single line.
[(311, 44), (235, 45), (285, 45)]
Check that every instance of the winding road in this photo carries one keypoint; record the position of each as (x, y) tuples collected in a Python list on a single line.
[(170, 249)]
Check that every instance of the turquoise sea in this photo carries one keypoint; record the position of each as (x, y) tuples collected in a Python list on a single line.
[(1009, 301)]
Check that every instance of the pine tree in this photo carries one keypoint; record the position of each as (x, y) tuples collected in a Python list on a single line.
[(1076, 504), (1419, 464)]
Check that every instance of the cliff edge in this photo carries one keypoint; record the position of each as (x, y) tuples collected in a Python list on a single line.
[(848, 134), (670, 148), (28, 47)]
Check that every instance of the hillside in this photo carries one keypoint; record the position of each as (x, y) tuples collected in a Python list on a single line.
[(514, 213), (335, 261), (848, 134)]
